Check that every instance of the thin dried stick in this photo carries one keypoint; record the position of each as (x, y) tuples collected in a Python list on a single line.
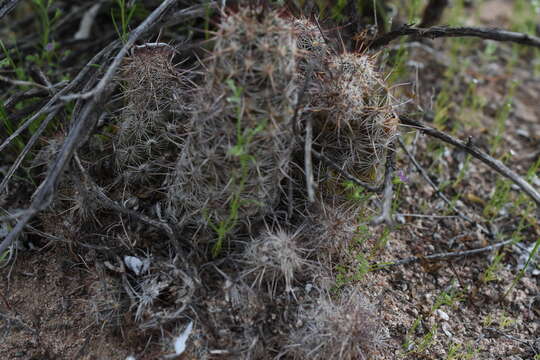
[(310, 184), (80, 129), (191, 12), (31, 83), (23, 95), (477, 153), (442, 256), (386, 208), (426, 177), (444, 31), (12, 216)]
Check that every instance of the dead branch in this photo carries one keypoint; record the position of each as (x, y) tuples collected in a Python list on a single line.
[(30, 83), (477, 153), (442, 256), (23, 95), (445, 31), (11, 216), (191, 12)]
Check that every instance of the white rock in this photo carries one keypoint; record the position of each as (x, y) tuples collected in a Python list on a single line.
[(446, 330), (180, 341), (137, 265), (442, 315)]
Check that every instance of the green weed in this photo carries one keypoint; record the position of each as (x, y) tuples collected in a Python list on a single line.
[(8, 62), (46, 21), (501, 119), (10, 127), (397, 62), (490, 274), (239, 150), (359, 265), (499, 198), (455, 352), (125, 14), (413, 345), (522, 271)]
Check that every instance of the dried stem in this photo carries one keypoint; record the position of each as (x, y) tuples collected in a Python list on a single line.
[(31, 83), (49, 106)]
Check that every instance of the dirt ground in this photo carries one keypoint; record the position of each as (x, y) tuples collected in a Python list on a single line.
[(44, 291)]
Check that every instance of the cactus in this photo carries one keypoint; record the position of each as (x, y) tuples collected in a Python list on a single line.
[(152, 88), (238, 150)]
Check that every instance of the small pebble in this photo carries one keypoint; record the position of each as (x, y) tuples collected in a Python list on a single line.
[(442, 315)]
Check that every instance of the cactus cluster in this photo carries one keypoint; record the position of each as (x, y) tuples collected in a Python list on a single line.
[(217, 153)]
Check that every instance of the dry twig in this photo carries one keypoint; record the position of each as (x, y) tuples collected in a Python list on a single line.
[(425, 175), (442, 256), (73, 85)]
